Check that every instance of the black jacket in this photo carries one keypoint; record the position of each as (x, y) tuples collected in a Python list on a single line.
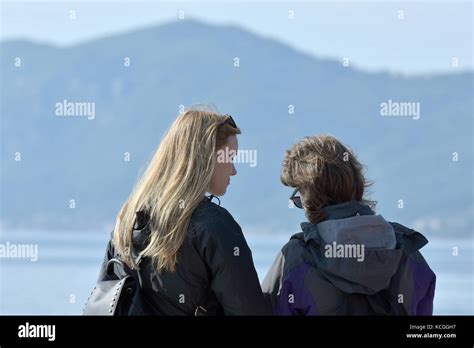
[(215, 269)]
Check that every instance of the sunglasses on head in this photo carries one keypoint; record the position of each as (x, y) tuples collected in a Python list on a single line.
[(230, 121), (296, 199)]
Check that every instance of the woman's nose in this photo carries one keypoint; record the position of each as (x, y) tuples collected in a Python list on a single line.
[(234, 171)]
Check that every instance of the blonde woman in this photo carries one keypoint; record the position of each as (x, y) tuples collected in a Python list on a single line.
[(194, 259)]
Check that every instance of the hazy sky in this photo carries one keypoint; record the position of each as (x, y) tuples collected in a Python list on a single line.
[(405, 37)]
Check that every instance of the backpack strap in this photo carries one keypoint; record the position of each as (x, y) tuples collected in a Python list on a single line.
[(141, 220)]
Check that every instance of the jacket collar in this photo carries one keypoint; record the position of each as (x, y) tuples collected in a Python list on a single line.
[(336, 212), (406, 238), (346, 209)]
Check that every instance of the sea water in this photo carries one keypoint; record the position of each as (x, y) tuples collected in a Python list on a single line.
[(60, 277)]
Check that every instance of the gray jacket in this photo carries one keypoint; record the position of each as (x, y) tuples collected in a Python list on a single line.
[(352, 263)]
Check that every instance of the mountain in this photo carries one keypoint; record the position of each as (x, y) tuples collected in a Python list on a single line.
[(188, 62)]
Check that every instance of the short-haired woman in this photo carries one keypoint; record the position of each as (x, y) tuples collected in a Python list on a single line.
[(347, 260)]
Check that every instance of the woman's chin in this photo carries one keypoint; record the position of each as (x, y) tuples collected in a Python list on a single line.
[(220, 193)]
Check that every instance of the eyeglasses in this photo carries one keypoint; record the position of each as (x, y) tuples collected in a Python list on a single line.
[(230, 121), (296, 199)]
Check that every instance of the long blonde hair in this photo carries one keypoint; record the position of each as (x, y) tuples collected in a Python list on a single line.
[(172, 186)]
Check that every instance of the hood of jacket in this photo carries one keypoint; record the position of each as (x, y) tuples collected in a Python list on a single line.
[(356, 250)]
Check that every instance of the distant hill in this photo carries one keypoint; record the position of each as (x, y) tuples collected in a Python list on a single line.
[(187, 62)]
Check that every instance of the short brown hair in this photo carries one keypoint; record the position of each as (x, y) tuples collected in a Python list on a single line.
[(326, 172)]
